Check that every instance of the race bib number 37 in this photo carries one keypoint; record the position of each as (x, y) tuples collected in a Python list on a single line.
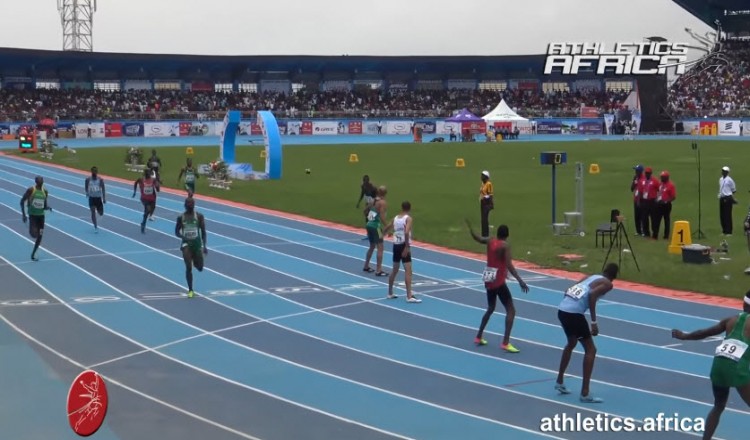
[(489, 275), (576, 292), (731, 349)]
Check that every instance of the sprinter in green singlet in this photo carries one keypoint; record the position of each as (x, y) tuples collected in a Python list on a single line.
[(191, 228), (376, 223), (190, 175), (36, 199), (731, 366)]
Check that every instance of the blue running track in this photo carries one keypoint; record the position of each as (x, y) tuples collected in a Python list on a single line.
[(289, 339)]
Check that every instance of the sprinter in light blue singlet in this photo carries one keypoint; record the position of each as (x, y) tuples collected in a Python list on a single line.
[(94, 187), (578, 299)]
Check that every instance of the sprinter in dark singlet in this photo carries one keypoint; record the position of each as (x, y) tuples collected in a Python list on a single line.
[(149, 186)]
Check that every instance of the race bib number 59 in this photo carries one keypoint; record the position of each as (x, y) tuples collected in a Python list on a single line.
[(731, 349)]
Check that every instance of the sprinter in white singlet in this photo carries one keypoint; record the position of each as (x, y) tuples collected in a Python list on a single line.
[(402, 227)]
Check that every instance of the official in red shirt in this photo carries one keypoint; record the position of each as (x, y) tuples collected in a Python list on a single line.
[(665, 196), (499, 263), (648, 190), (635, 187)]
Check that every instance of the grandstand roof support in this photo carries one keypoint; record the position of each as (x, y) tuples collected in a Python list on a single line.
[(77, 17)]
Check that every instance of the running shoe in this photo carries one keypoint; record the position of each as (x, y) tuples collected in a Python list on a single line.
[(562, 389), (589, 399), (480, 341), (413, 299), (509, 348), (191, 294), (392, 296)]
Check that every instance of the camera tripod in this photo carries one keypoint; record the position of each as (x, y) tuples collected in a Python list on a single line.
[(617, 241)]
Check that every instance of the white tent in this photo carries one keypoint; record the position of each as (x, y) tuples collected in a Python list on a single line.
[(503, 113)]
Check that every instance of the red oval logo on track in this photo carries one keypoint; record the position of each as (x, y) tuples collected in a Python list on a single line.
[(87, 403)]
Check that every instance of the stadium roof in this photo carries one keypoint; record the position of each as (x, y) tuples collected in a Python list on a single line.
[(734, 15), (88, 66)]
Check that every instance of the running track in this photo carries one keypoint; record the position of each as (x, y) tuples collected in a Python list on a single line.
[(290, 339)]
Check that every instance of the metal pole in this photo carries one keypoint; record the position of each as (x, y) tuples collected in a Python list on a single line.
[(554, 217)]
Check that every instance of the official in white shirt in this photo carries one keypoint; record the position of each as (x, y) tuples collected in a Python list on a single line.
[(726, 200)]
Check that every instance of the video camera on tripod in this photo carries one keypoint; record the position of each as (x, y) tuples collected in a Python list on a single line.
[(615, 217)]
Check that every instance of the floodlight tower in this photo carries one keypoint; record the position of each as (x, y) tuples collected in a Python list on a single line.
[(77, 18)]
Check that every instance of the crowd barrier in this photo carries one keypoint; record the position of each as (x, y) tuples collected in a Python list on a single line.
[(314, 127)]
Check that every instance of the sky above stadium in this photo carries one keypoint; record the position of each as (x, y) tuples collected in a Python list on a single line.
[(353, 27)]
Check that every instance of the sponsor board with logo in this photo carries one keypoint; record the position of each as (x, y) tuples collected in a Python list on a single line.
[(82, 130), (325, 127), (161, 129), (113, 129), (354, 127), (729, 127), (709, 128), (397, 127)]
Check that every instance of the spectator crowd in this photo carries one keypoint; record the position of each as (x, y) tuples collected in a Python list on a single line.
[(718, 86)]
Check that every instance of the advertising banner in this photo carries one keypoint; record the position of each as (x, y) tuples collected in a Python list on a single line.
[(589, 112), (709, 128), (397, 127), (442, 127), (306, 128), (474, 127), (590, 127), (197, 128), (82, 130), (161, 129), (428, 127), (132, 129), (354, 127), (548, 127), (113, 129), (325, 127), (293, 127), (371, 127), (729, 128)]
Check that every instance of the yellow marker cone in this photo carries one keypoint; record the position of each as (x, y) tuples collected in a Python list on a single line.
[(680, 237), (594, 168), (263, 154), (460, 163), (189, 151), (353, 158)]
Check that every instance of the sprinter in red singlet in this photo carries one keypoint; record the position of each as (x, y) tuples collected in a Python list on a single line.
[(149, 186), (499, 263)]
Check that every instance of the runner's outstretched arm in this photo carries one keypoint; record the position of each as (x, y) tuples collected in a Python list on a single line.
[(715, 330)]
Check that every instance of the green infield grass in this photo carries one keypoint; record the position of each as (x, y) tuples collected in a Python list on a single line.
[(442, 195)]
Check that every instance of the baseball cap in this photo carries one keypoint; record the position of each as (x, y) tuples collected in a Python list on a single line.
[(486, 173), (665, 174), (725, 169), (638, 167), (649, 170)]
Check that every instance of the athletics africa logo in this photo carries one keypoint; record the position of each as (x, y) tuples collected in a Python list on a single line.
[(622, 59), (87, 403)]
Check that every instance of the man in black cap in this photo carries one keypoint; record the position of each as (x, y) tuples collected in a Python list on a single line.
[(635, 186)]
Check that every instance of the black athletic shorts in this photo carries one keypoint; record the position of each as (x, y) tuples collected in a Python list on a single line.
[(398, 250), (96, 202), (36, 222), (502, 292), (574, 325)]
